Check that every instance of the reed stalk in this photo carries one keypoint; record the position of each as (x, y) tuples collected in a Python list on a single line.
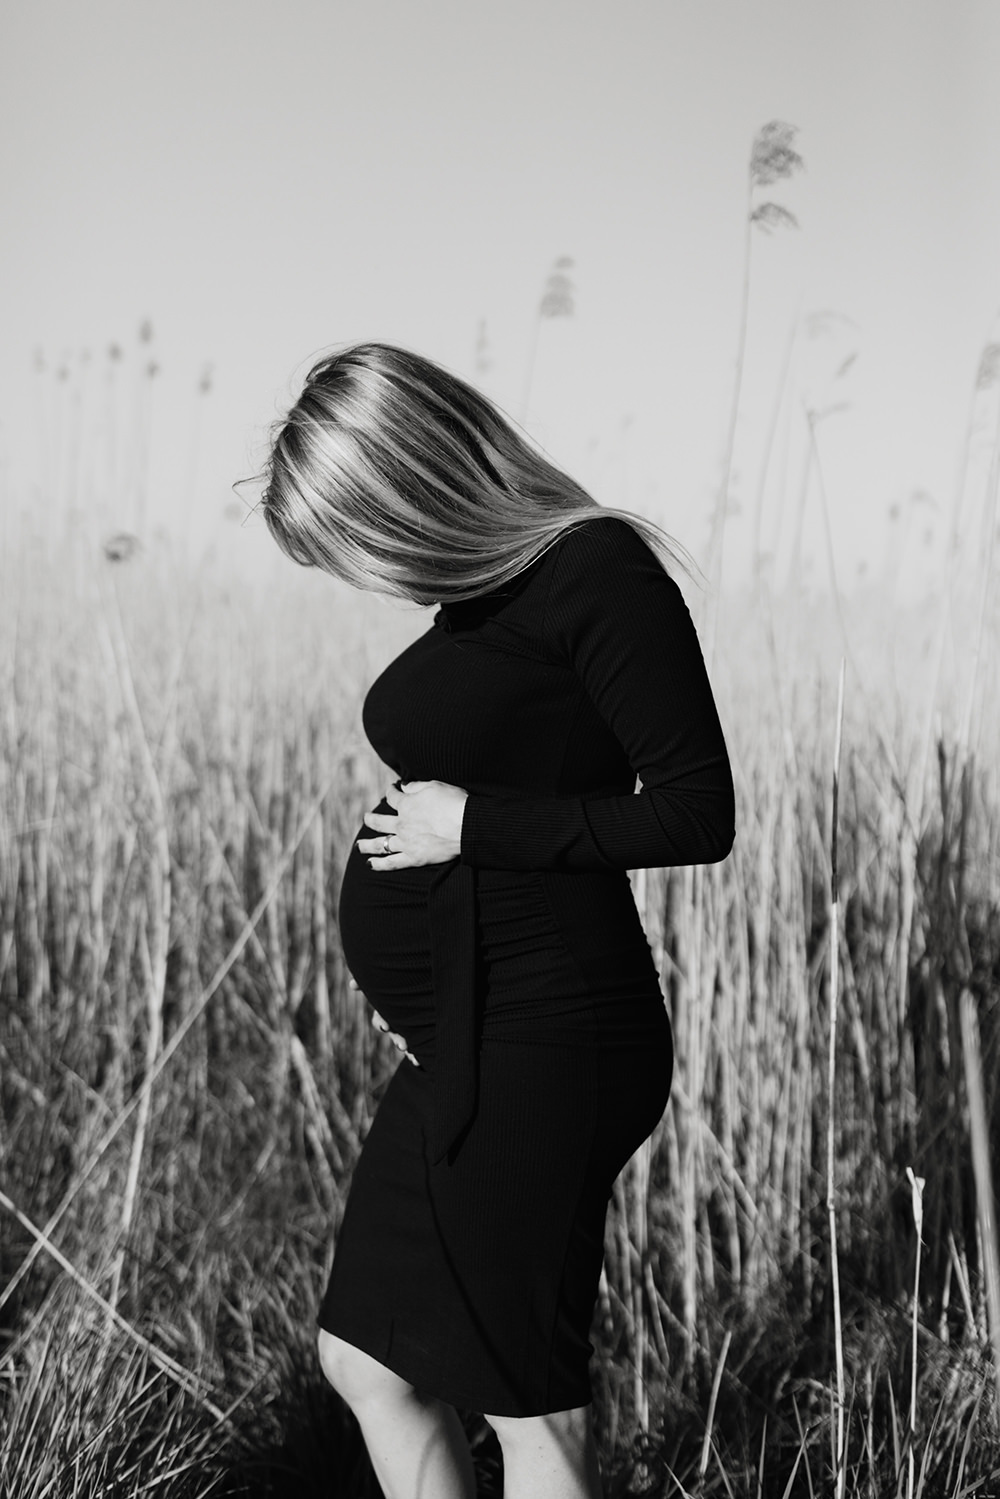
[(917, 1204), (982, 1170), (840, 1465)]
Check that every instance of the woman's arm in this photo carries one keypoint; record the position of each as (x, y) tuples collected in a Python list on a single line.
[(622, 624)]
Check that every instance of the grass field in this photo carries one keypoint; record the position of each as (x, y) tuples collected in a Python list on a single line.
[(187, 1079)]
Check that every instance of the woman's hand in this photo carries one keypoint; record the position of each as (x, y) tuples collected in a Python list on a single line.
[(424, 828), (398, 1041)]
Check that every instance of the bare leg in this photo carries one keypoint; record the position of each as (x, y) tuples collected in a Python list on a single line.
[(417, 1445), (549, 1457)]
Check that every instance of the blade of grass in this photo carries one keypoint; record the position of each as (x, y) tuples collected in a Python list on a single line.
[(706, 1445)]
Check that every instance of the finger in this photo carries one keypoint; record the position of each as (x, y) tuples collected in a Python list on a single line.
[(386, 863), (382, 822), (409, 787), (352, 984), (398, 1041), (393, 796), (378, 1022), (374, 845), (411, 1058)]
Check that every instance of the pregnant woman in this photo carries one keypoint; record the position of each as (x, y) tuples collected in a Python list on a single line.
[(486, 910)]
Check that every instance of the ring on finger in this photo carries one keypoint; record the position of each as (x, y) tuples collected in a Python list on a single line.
[(385, 844)]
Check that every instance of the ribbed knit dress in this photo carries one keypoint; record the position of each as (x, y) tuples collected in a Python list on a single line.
[(470, 1251)]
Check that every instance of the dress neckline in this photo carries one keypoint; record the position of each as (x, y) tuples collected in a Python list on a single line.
[(469, 614)]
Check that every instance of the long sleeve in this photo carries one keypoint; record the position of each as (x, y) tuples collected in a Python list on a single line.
[(621, 624)]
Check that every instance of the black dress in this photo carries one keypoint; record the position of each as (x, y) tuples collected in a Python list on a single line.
[(470, 1251)]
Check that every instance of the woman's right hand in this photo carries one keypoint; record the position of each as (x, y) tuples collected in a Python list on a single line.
[(398, 1041)]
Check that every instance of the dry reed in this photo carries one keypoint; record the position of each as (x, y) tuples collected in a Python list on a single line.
[(186, 1076)]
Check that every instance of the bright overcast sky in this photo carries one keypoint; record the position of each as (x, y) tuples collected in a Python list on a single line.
[(263, 180)]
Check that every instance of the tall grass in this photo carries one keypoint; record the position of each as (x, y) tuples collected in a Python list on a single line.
[(186, 1077)]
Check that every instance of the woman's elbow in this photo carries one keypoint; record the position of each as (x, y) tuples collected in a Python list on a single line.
[(709, 840), (722, 842), (720, 828)]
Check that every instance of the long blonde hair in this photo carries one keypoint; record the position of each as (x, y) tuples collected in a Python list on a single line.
[(400, 478)]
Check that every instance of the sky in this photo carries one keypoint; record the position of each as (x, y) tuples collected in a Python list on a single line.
[(220, 190)]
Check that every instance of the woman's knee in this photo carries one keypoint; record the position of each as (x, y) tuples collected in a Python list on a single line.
[(354, 1374)]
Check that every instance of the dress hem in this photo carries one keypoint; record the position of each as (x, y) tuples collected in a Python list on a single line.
[(461, 1401)]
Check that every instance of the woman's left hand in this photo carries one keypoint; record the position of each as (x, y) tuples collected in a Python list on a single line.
[(425, 828)]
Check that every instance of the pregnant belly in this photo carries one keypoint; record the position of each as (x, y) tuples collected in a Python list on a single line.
[(385, 938), (545, 945), (521, 954)]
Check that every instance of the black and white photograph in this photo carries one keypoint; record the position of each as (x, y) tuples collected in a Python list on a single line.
[(499, 749)]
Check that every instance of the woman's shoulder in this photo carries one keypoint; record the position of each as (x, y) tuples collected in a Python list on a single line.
[(604, 547), (605, 579), (589, 562)]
